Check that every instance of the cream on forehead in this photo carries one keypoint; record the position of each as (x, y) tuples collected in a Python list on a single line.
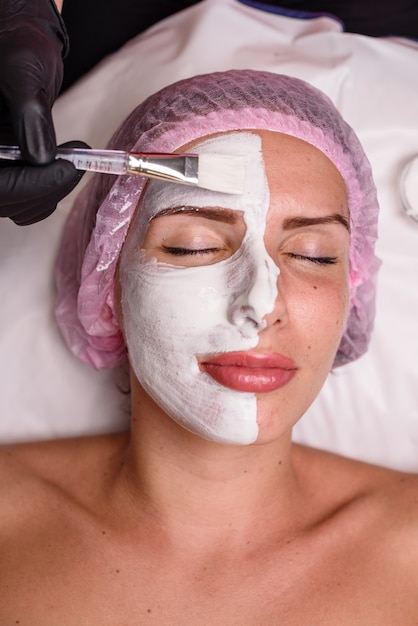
[(172, 315), (160, 195)]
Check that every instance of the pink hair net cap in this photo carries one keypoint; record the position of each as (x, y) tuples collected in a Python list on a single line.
[(178, 114)]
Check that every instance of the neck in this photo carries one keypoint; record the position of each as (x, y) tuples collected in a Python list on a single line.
[(189, 482)]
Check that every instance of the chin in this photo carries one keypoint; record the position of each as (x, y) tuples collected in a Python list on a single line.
[(276, 419), (227, 435)]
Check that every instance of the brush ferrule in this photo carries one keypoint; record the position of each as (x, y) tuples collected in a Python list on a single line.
[(183, 169)]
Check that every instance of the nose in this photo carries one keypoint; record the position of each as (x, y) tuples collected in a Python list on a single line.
[(257, 293)]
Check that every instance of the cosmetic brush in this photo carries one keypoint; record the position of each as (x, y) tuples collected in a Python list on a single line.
[(218, 172)]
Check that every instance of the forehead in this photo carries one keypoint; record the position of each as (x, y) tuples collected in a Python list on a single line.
[(279, 167), (161, 195), (284, 154), (301, 175)]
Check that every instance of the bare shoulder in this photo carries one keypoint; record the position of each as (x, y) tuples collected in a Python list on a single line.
[(382, 501), (359, 479), (47, 470), (48, 457)]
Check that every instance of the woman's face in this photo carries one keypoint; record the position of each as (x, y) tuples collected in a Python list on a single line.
[(233, 306)]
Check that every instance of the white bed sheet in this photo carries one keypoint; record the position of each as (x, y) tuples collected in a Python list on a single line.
[(368, 409)]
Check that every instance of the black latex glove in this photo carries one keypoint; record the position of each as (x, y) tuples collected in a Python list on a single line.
[(30, 193), (33, 42)]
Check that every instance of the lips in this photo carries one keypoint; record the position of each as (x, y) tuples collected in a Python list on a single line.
[(247, 371)]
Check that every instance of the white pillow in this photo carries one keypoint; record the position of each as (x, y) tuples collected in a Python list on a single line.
[(368, 409)]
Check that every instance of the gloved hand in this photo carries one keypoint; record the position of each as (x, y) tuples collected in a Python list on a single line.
[(29, 193), (33, 41)]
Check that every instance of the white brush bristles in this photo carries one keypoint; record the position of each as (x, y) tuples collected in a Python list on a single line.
[(222, 172)]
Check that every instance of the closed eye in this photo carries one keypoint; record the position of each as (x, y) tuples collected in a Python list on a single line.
[(187, 251), (319, 260)]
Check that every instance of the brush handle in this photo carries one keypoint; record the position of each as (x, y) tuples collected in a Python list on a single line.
[(106, 161)]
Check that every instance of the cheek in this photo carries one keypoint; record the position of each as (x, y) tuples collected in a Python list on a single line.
[(173, 302), (319, 308), (154, 304), (330, 301)]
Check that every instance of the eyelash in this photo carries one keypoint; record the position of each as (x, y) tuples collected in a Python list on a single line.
[(187, 251), (318, 260)]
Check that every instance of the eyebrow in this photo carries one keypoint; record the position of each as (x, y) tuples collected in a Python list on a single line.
[(227, 216), (300, 222)]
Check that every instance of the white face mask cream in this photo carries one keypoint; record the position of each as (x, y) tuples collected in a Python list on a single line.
[(172, 315)]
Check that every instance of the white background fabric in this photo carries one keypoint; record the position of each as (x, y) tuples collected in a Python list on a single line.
[(368, 409)]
